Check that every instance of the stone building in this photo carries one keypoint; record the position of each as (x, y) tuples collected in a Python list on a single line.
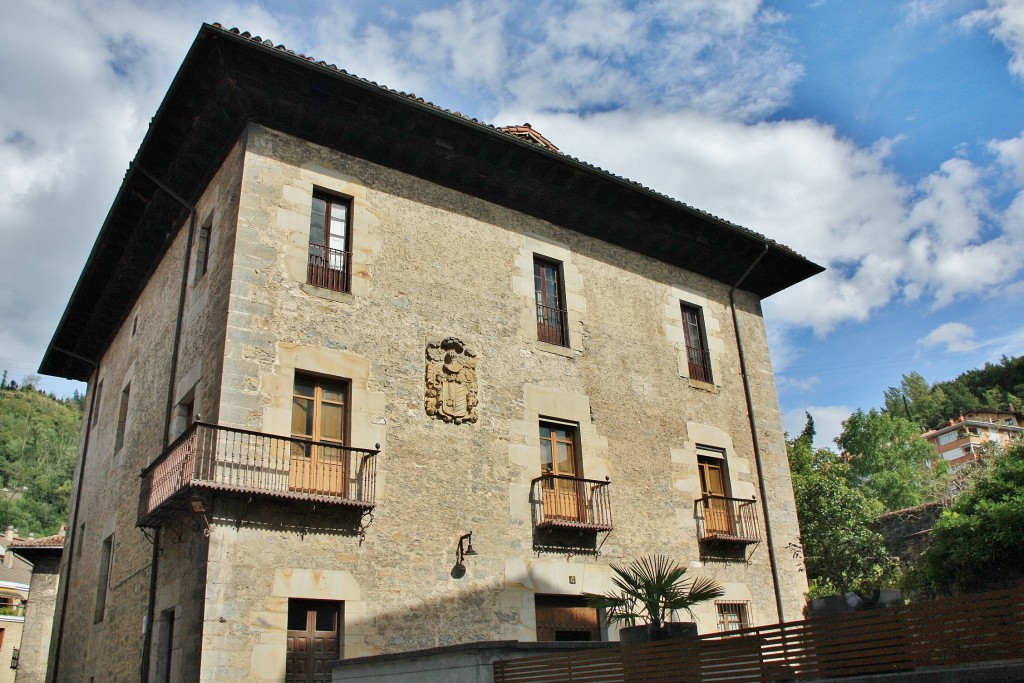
[(339, 329), (44, 554)]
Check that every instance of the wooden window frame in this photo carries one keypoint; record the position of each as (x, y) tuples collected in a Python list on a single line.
[(327, 267), (698, 357), (318, 388), (573, 430), (552, 321), (725, 609)]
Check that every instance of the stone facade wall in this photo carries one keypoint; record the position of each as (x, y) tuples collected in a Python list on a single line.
[(36, 634), (140, 356), (430, 263)]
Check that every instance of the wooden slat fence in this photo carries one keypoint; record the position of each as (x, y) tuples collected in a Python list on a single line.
[(987, 627)]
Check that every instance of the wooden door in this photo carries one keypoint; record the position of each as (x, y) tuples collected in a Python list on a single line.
[(562, 497), (318, 464), (566, 617), (717, 512), (314, 640)]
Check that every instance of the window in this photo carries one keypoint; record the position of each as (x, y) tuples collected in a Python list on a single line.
[(566, 617), (184, 414), (714, 489), (103, 579), (697, 356), (319, 463), (203, 250), (122, 417), (329, 252), (135, 324), (81, 539), (96, 403), (314, 639), (563, 495), (732, 615), (552, 323), (948, 437)]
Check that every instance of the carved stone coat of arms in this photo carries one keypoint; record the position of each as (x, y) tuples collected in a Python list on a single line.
[(451, 393)]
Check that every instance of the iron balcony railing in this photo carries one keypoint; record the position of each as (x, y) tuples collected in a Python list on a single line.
[(733, 520), (563, 501), (699, 362), (552, 325), (226, 459), (329, 268)]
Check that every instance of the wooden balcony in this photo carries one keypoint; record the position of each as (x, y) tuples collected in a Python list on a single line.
[(236, 460), (561, 501), (727, 520)]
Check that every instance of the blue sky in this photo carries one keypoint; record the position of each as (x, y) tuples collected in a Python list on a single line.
[(881, 139)]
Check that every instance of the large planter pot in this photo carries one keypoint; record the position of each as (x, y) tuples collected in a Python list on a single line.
[(631, 635)]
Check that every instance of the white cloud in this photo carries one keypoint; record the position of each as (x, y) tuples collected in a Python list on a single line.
[(828, 423), (1004, 19), (957, 337)]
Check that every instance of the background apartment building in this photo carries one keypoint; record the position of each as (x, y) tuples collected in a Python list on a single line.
[(337, 329)]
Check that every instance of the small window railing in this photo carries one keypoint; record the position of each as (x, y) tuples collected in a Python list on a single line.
[(699, 364), (329, 268), (564, 501), (552, 325), (731, 520)]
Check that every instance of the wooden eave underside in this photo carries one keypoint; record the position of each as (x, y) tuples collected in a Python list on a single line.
[(228, 81)]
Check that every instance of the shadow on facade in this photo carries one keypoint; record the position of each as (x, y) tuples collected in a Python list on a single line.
[(302, 517)]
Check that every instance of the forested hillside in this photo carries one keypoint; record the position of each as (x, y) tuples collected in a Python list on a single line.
[(996, 386), (38, 443)]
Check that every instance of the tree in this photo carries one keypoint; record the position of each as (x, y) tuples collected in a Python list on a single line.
[(890, 460), (652, 589), (841, 551), (978, 542)]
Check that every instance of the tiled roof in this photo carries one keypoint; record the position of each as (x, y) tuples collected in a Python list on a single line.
[(55, 541), (510, 131)]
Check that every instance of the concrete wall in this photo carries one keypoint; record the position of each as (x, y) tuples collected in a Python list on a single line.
[(472, 663), (428, 264)]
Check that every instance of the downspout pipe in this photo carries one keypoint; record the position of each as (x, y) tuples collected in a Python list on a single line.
[(754, 438), (51, 674), (147, 641)]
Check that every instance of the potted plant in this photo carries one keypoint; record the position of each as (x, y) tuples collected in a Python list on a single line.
[(650, 591)]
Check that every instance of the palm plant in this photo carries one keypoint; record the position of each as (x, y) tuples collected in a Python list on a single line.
[(652, 589)]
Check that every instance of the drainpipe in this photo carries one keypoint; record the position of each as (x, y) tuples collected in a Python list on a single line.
[(69, 548), (147, 640), (753, 435)]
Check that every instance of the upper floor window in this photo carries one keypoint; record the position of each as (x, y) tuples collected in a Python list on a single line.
[(96, 403), (552, 323), (103, 578), (122, 417), (697, 356), (203, 250), (330, 256)]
